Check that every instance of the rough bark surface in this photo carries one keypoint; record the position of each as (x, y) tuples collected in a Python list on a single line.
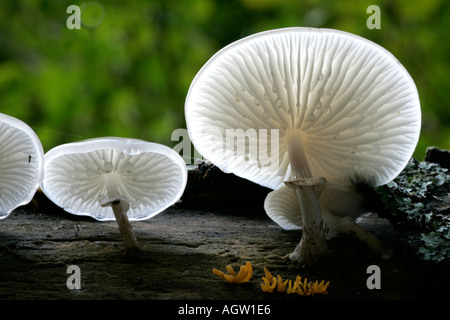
[(211, 228)]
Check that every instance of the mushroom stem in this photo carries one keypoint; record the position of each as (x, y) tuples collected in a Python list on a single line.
[(313, 243), (120, 208)]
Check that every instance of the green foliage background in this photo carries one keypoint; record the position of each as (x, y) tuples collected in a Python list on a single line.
[(128, 70)]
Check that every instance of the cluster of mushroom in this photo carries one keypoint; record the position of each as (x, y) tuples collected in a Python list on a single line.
[(345, 112), (105, 178), (344, 109)]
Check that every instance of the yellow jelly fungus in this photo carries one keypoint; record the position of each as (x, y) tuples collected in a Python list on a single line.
[(320, 287), (303, 288), (281, 286), (271, 282), (244, 275), (289, 289), (269, 276), (268, 285)]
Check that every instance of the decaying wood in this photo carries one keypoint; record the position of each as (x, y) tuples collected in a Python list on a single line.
[(209, 229)]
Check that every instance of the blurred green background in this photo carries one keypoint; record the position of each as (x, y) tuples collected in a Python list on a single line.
[(127, 71)]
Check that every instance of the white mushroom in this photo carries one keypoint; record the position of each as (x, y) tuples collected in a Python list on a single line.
[(137, 179), (344, 109), (340, 205), (21, 164)]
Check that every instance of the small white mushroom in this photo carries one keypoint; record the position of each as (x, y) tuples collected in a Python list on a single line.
[(115, 179), (340, 206), (21, 164), (344, 109)]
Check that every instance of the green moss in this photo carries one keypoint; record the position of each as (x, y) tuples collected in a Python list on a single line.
[(419, 201)]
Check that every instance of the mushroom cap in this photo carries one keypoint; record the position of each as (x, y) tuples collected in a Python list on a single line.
[(355, 106), (149, 176), (21, 164)]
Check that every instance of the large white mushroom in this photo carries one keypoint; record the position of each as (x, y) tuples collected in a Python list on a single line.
[(21, 164), (115, 179), (340, 108)]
